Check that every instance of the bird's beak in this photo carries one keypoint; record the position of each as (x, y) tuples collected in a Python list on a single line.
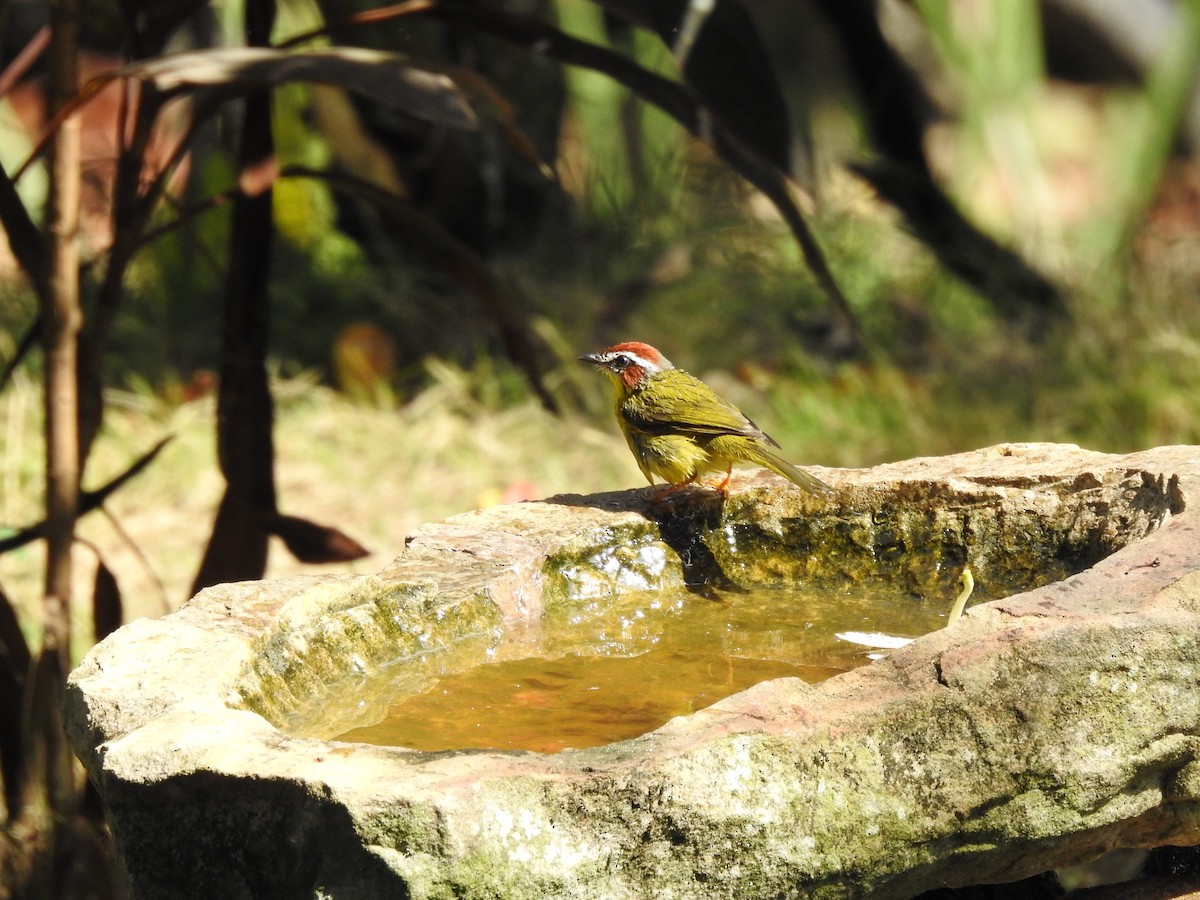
[(593, 358)]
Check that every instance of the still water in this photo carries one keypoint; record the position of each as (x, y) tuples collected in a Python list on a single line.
[(593, 675)]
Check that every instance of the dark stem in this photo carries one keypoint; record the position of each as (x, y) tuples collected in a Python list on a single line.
[(237, 549), (61, 322)]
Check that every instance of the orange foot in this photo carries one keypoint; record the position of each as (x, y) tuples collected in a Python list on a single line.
[(669, 489), (723, 487)]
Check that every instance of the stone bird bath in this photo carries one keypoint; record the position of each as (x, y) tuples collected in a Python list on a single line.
[(1041, 730)]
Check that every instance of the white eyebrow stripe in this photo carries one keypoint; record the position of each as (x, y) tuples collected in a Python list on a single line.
[(637, 359)]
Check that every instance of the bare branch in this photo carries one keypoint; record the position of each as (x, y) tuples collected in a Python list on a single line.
[(88, 500), (675, 99)]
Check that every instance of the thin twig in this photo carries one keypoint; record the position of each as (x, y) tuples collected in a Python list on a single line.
[(28, 341), (456, 259), (187, 213), (673, 98), (26, 241), (88, 500), (142, 558), (22, 61)]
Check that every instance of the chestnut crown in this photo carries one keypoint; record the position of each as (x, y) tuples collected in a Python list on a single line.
[(630, 362)]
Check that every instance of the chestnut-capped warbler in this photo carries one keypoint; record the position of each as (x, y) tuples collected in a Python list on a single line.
[(678, 427)]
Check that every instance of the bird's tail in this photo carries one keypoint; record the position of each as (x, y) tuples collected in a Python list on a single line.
[(796, 476)]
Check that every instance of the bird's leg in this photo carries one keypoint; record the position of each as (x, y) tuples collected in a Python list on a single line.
[(671, 488), (723, 487)]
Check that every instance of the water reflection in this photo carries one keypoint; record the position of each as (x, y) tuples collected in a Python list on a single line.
[(611, 670)]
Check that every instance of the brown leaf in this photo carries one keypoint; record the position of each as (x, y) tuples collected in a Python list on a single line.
[(14, 669), (385, 77), (14, 650), (107, 611), (313, 543), (257, 177)]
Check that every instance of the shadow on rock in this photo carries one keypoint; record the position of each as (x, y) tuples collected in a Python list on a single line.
[(265, 838)]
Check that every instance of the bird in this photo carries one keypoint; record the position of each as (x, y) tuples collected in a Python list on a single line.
[(679, 428)]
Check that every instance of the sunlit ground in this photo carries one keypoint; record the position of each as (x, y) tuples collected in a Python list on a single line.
[(729, 299), (376, 472)]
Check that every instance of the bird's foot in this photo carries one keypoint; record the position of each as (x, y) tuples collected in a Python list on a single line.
[(666, 492), (685, 492), (723, 487)]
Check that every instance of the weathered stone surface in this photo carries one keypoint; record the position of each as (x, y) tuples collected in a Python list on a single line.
[(1043, 729)]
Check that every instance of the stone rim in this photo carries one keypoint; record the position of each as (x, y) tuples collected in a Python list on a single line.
[(454, 794)]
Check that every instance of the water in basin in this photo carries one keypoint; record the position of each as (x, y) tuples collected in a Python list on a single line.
[(618, 669)]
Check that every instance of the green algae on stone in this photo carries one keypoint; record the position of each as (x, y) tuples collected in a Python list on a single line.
[(1035, 730), (351, 635), (916, 536)]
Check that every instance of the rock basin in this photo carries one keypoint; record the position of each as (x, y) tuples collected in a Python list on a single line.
[(1044, 728)]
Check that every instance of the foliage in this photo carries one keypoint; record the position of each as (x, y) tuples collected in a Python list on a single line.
[(346, 187)]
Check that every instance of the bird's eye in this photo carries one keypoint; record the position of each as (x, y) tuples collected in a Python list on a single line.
[(621, 361)]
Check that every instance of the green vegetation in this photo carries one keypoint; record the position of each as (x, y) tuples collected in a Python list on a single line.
[(468, 438), (439, 233)]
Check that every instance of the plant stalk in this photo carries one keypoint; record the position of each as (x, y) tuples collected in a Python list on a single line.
[(61, 323)]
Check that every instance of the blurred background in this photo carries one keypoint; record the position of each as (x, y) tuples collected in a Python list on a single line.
[(341, 258)]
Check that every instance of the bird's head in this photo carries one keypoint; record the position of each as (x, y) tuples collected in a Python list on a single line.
[(628, 364)]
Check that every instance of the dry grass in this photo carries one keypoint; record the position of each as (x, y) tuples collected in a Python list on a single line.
[(473, 439), (374, 473)]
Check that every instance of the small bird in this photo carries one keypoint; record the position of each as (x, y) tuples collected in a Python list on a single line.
[(678, 427)]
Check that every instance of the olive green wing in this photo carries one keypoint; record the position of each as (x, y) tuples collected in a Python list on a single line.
[(679, 403)]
